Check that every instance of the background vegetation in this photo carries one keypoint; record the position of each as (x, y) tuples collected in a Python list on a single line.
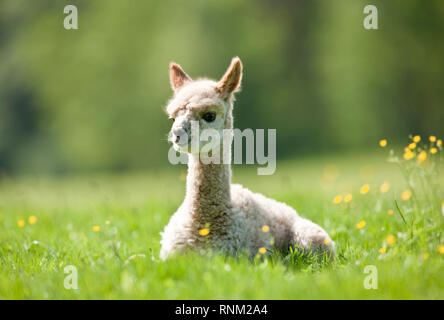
[(91, 99)]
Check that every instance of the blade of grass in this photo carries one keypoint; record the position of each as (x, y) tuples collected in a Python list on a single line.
[(400, 212)]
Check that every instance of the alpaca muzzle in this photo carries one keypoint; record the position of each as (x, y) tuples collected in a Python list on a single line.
[(181, 136)]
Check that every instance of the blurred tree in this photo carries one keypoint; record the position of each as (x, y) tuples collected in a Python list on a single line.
[(91, 99)]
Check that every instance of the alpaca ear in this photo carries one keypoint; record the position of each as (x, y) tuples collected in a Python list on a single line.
[(231, 80), (178, 77)]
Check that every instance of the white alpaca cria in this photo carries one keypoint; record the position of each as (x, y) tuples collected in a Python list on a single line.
[(234, 215)]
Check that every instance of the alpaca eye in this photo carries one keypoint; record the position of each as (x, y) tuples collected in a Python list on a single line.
[(209, 116), (172, 119)]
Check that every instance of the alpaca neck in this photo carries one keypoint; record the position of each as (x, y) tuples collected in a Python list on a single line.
[(208, 189), (208, 185)]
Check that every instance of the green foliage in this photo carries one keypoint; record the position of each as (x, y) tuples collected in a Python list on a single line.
[(91, 99), (121, 261)]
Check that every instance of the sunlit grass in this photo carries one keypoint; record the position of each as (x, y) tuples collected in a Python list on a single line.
[(108, 228)]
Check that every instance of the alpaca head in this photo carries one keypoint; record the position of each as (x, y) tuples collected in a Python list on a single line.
[(204, 103)]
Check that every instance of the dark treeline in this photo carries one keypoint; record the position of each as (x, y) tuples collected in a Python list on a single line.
[(92, 99)]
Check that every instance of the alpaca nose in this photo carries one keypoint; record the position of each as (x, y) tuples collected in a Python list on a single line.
[(180, 136)]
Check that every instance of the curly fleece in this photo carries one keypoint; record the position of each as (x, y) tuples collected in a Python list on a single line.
[(234, 215)]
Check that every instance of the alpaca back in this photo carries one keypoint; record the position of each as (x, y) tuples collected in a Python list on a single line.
[(258, 211)]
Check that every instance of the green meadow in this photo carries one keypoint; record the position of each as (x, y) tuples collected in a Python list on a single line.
[(107, 227)]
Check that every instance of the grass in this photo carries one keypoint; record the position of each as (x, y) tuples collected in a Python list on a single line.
[(120, 260)]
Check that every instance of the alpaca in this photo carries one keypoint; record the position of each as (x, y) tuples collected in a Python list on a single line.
[(234, 215)]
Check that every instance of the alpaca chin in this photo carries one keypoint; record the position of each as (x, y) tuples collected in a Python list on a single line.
[(182, 148)]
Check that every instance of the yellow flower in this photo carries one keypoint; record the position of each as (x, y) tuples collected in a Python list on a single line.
[(432, 138), (262, 250), (21, 223), (433, 150), (412, 145), (361, 224), (425, 256), (439, 143), (96, 228), (204, 232), (390, 212), (337, 199), (265, 228), (383, 143), (383, 250), (385, 187), (326, 241), (348, 197), (441, 249), (416, 139), (390, 239), (32, 219), (422, 156), (408, 155), (365, 188), (406, 194)]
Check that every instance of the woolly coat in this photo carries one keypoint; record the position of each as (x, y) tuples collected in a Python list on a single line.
[(234, 215)]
